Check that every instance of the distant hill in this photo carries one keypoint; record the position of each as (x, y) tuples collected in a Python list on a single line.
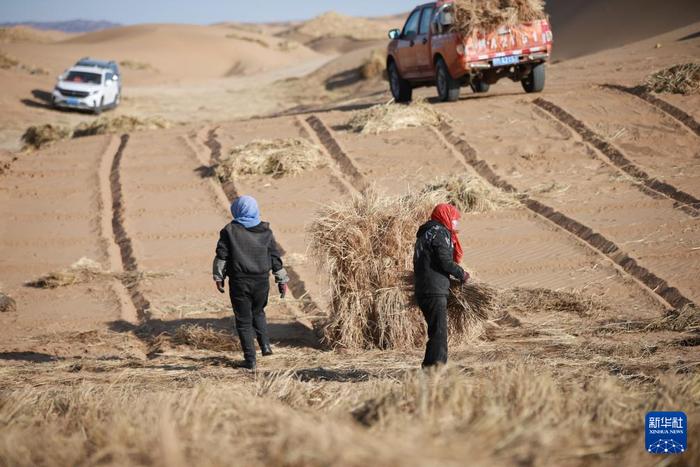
[(72, 26)]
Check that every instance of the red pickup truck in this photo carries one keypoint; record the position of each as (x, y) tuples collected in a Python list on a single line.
[(427, 52)]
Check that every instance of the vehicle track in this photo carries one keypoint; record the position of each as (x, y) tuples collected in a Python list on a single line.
[(121, 237), (344, 161), (669, 109), (685, 201), (297, 285), (653, 284)]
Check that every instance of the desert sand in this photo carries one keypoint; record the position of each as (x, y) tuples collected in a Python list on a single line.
[(610, 184)]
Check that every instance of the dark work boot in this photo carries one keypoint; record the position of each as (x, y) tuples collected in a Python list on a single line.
[(248, 346), (266, 350)]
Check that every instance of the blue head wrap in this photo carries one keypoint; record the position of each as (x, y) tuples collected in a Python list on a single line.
[(245, 211)]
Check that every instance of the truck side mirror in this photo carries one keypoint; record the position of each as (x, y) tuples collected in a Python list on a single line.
[(394, 34)]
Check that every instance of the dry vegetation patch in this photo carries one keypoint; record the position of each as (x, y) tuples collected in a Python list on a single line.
[(253, 40), (392, 116), (683, 319), (7, 304), (36, 137), (122, 123), (470, 15), (332, 24), (472, 194), (678, 79), (7, 62), (548, 301), (278, 158), (136, 65), (85, 271)]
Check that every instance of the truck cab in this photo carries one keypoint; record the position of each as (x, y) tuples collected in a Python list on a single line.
[(429, 51)]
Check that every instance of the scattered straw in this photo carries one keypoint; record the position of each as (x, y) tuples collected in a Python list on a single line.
[(134, 65), (278, 158), (7, 304), (471, 15), (682, 319), (678, 79), (205, 338), (86, 270), (472, 194), (548, 301), (36, 137), (123, 123), (391, 116), (7, 62)]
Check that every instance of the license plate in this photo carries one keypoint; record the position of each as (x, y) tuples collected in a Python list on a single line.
[(72, 101), (512, 60)]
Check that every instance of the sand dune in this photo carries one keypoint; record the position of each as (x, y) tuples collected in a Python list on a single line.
[(29, 34), (585, 26)]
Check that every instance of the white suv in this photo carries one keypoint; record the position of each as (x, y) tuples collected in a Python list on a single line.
[(87, 88)]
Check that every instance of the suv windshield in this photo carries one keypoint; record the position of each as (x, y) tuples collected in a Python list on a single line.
[(84, 77)]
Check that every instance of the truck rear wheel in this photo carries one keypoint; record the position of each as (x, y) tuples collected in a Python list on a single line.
[(447, 87), (400, 88), (534, 82), (480, 86)]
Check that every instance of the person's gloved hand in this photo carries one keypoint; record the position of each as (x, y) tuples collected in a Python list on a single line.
[(283, 288), (220, 286), (465, 277)]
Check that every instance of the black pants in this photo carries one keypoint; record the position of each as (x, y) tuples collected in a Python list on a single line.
[(249, 299), (434, 310)]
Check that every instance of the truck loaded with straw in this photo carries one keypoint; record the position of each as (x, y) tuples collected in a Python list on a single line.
[(455, 43)]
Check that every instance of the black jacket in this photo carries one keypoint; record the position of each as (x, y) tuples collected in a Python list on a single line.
[(432, 260), (243, 252)]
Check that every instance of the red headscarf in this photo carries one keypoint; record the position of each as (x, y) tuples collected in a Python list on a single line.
[(445, 214)]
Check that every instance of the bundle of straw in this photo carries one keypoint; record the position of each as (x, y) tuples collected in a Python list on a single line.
[(487, 15), (366, 248), (678, 79)]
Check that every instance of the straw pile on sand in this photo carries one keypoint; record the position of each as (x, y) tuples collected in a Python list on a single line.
[(374, 66), (7, 304), (470, 15), (121, 124), (391, 116), (86, 270), (36, 137), (547, 301), (678, 79), (686, 318), (472, 194), (205, 338), (278, 158)]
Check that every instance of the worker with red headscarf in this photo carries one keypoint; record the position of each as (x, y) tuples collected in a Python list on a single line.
[(436, 258)]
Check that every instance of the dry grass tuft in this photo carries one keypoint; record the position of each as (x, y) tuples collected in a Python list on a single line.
[(392, 116), (205, 338), (472, 194), (36, 137), (472, 15), (7, 304), (254, 40), (366, 248), (683, 319), (123, 123), (278, 158), (374, 66), (678, 79), (549, 301)]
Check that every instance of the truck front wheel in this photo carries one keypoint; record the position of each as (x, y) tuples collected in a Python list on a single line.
[(534, 82), (400, 88), (447, 87)]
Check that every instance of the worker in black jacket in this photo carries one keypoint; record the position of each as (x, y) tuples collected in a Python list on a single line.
[(437, 256), (246, 253)]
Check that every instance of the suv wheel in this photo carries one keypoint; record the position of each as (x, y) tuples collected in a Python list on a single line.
[(534, 82), (400, 88), (447, 87), (98, 108)]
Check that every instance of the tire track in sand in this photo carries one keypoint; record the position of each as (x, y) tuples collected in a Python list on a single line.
[(685, 201), (121, 237), (297, 285), (652, 283), (667, 108)]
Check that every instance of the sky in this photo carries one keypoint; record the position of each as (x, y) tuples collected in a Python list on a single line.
[(191, 11)]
